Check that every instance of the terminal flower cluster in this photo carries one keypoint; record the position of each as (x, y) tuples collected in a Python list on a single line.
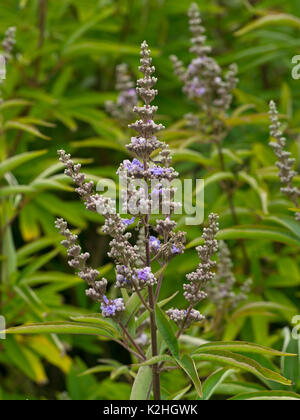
[(285, 162), (203, 80), (122, 109)]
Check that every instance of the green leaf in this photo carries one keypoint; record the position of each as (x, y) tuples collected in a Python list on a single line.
[(213, 381), (17, 189), (252, 232), (98, 369), (67, 210), (29, 128), (117, 372), (96, 319), (28, 223), (287, 222), (99, 143), (188, 365), (270, 20), (167, 333), (92, 47), (179, 394), (288, 273), (32, 301), (267, 396), (39, 262), (127, 317), (161, 304), (102, 15), (185, 155), (262, 233), (36, 246), (239, 347), (40, 376), (291, 367), (158, 359), (238, 387), (263, 195), (9, 266), (59, 328), (45, 348), (18, 160), (11, 103), (258, 308), (18, 357), (142, 382), (242, 362), (50, 184)]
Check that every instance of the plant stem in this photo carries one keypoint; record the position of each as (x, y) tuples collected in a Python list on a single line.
[(141, 297), (155, 368), (140, 351), (153, 327), (180, 331), (42, 16)]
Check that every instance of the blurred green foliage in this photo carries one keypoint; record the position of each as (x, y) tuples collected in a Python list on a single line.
[(61, 75)]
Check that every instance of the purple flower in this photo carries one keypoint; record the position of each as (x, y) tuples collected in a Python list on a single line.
[(131, 92), (175, 250), (143, 273), (157, 170), (111, 307), (154, 243), (200, 91), (134, 166), (145, 276), (128, 222), (198, 61), (156, 192)]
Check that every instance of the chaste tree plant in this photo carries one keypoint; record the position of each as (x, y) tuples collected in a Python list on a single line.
[(158, 341)]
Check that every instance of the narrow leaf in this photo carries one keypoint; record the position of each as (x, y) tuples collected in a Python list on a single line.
[(18, 160), (245, 363), (213, 381), (167, 333), (240, 347), (188, 365)]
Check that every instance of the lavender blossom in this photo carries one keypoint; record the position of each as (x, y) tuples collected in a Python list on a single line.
[(155, 244), (159, 243), (285, 162), (78, 260), (128, 257), (194, 291), (7, 46), (111, 307), (122, 110), (197, 280), (203, 80), (128, 222), (9, 42)]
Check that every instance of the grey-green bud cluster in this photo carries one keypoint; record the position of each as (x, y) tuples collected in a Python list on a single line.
[(285, 162)]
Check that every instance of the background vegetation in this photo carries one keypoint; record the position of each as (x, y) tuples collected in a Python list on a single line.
[(61, 74)]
